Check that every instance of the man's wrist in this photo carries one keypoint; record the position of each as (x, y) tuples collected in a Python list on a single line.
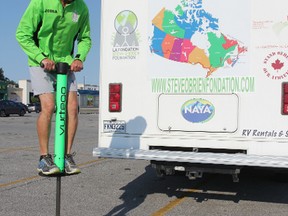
[(40, 58), (78, 57)]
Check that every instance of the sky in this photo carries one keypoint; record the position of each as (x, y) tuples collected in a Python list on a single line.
[(14, 61)]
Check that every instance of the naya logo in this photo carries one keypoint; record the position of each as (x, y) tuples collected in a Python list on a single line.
[(126, 38), (276, 65), (198, 110)]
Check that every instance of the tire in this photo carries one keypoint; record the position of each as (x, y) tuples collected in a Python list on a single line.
[(2, 113), (22, 112)]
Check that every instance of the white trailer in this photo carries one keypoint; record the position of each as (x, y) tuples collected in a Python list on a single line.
[(194, 85)]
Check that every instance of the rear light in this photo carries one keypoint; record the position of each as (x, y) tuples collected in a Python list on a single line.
[(115, 97), (285, 98)]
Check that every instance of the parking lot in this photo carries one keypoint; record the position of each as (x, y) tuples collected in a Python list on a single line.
[(121, 187)]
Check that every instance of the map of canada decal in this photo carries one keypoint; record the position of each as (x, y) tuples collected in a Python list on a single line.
[(190, 34)]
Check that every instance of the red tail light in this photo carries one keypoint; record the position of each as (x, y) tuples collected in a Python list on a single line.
[(285, 98), (115, 97)]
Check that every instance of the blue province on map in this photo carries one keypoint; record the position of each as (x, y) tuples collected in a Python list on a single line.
[(176, 35)]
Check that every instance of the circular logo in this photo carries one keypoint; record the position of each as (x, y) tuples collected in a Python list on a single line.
[(197, 110), (276, 65), (126, 22)]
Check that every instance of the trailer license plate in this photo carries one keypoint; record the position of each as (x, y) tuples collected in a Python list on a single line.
[(114, 126)]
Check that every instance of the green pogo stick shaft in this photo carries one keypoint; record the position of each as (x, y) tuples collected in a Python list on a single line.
[(60, 120)]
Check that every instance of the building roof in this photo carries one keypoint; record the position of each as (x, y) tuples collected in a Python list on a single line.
[(88, 92)]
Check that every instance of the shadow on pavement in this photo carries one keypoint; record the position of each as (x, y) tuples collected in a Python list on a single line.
[(254, 185)]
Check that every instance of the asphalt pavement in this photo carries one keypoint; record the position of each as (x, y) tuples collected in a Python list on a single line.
[(110, 187), (23, 191)]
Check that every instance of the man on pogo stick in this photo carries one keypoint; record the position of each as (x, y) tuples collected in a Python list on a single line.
[(47, 33)]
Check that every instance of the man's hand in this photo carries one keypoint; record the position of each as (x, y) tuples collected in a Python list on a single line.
[(76, 66), (48, 64)]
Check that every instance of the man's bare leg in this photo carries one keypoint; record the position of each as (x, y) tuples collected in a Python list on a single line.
[(72, 123), (72, 119), (46, 165), (44, 121)]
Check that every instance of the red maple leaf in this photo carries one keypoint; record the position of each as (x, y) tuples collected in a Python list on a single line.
[(277, 65)]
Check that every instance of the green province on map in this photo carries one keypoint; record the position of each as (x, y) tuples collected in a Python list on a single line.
[(179, 35)]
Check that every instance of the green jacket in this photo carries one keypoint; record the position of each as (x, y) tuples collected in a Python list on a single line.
[(47, 30)]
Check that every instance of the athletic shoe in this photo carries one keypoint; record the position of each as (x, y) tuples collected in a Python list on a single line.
[(70, 165), (46, 166)]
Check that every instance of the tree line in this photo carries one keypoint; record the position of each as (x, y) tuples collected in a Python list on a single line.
[(6, 79)]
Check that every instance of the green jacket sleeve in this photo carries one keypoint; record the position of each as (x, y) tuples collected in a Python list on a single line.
[(28, 26), (84, 39)]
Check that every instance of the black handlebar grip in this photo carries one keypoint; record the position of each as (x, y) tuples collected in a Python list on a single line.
[(62, 68)]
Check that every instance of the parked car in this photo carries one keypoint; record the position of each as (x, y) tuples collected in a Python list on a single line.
[(8, 107), (34, 107), (24, 106)]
